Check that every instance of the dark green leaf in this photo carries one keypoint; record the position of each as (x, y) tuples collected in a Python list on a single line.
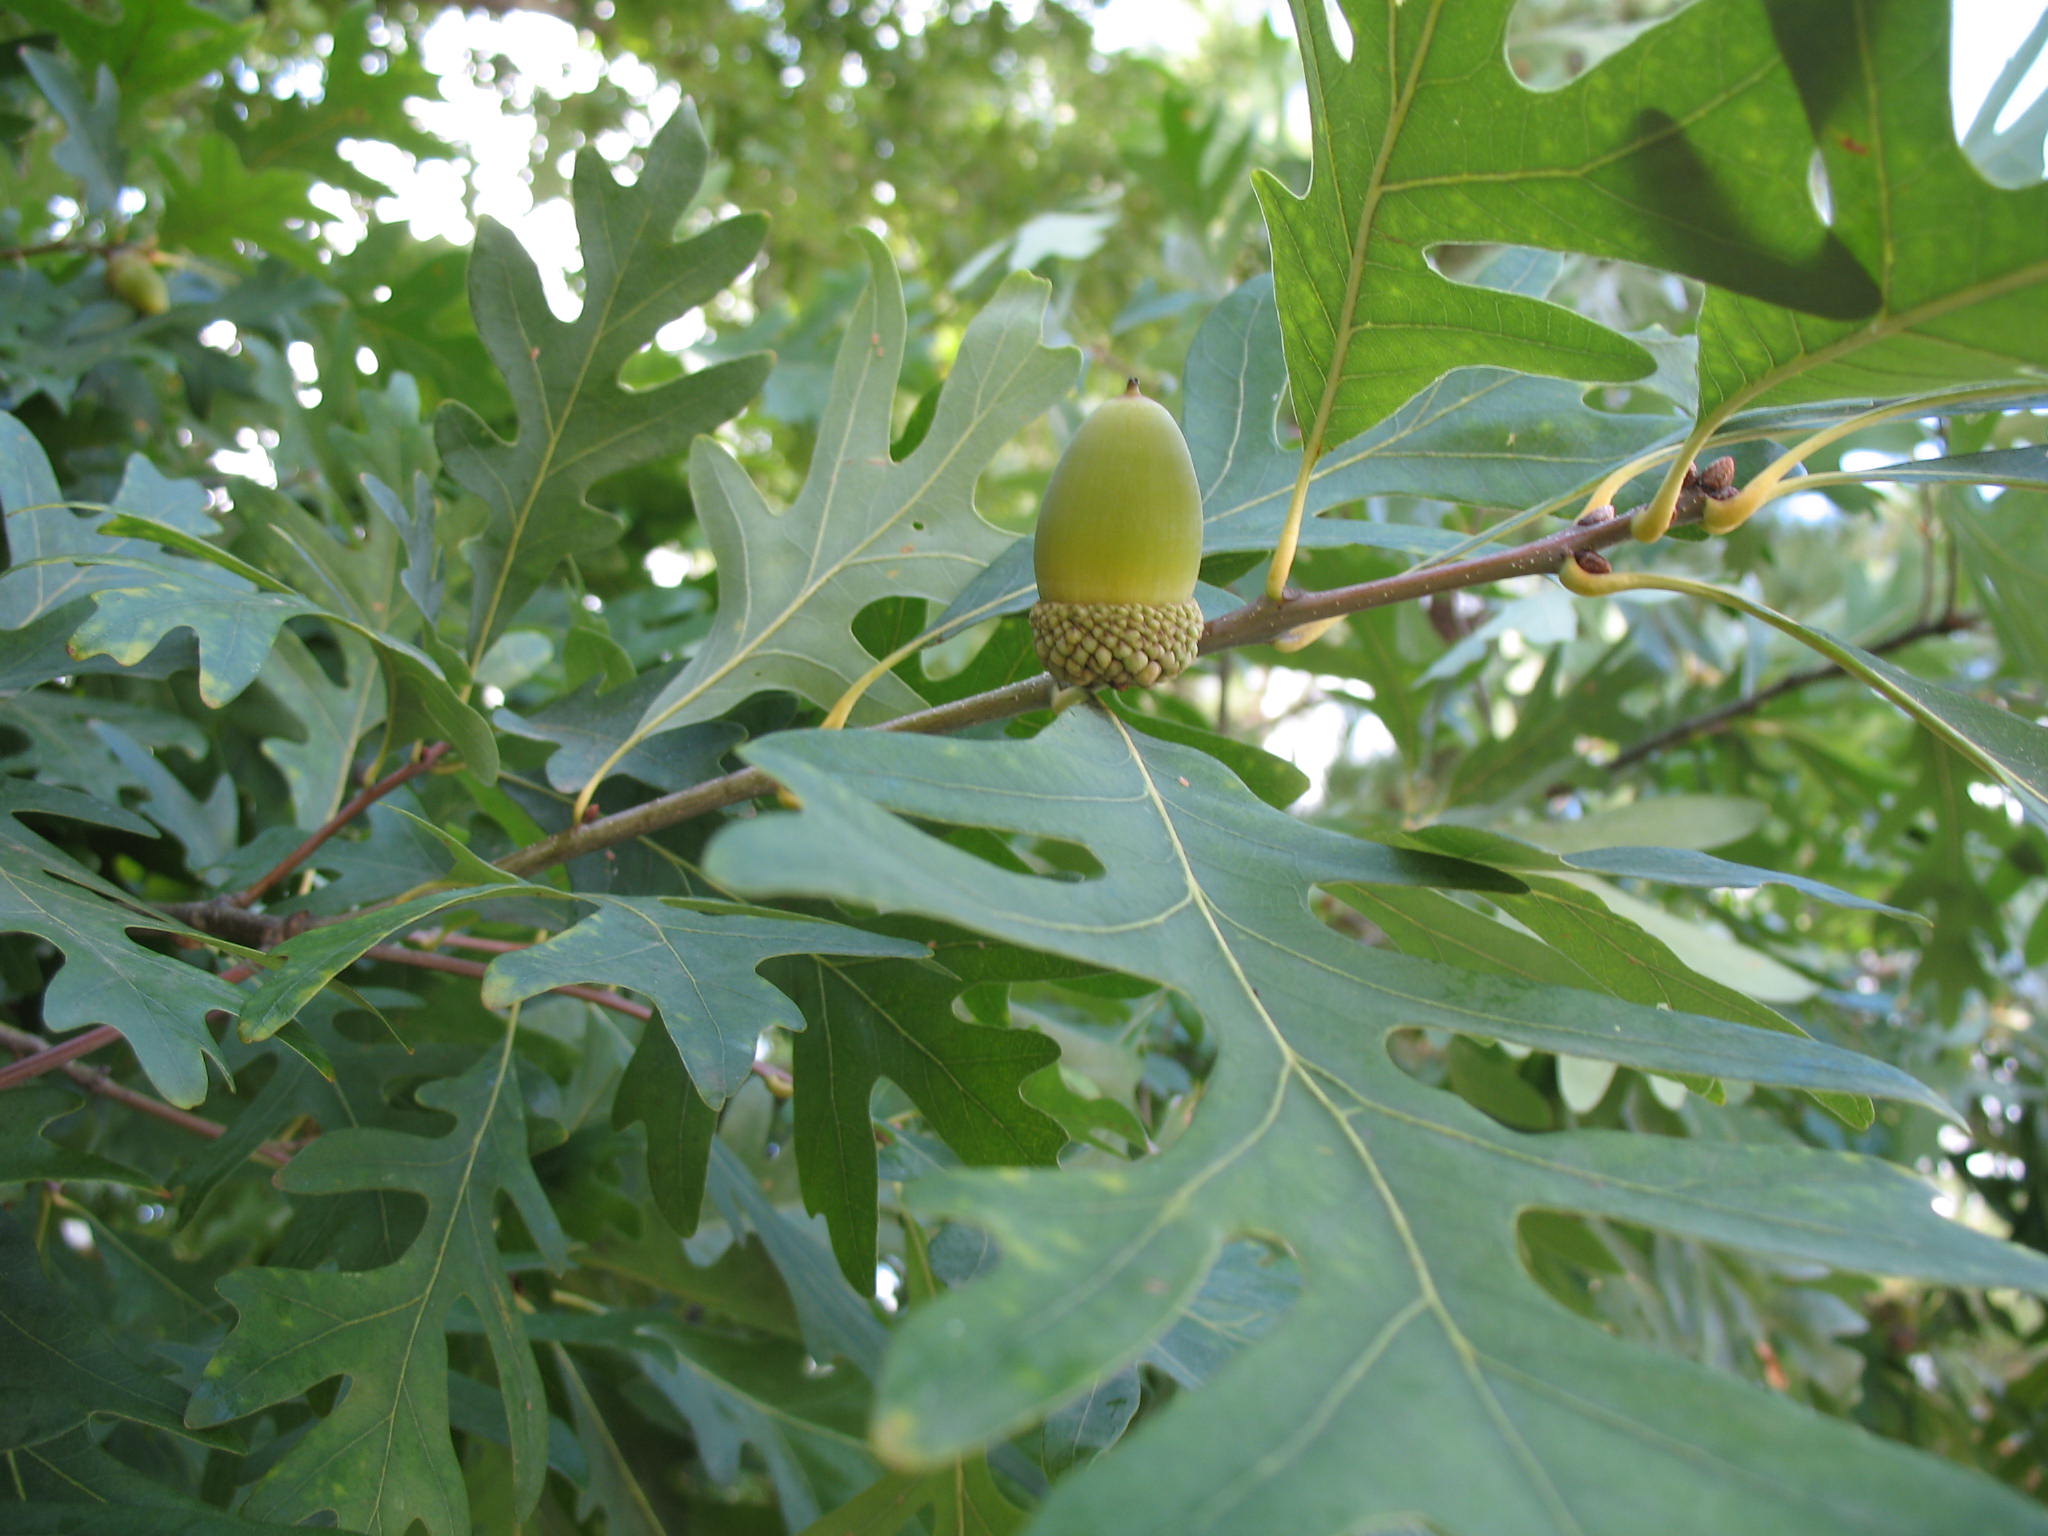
[(382, 1458)]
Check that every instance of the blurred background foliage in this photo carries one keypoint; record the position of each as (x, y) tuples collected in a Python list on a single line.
[(304, 180)]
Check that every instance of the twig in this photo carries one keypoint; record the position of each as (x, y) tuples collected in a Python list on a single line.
[(1252, 624), (40, 1056), (52, 248), (47, 1058), (1714, 719), (362, 801), (750, 783), (93, 1080)]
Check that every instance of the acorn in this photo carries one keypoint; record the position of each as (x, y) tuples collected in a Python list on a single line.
[(1118, 546), (135, 280)]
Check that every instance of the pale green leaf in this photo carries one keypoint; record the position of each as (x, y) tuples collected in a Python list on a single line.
[(865, 526), (1421, 1372)]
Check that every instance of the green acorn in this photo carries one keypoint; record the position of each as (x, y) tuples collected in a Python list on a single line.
[(135, 280), (1118, 547)]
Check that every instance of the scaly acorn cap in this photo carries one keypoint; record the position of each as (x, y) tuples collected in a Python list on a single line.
[(1118, 547)]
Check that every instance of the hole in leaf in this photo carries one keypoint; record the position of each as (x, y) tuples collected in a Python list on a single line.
[(1820, 189), (1047, 858), (1546, 55), (1516, 1089), (1340, 29)]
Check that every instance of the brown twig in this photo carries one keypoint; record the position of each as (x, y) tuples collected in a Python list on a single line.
[(1714, 719), (1250, 625), (40, 1056), (750, 783), (368, 796), (47, 1058), (93, 1080)]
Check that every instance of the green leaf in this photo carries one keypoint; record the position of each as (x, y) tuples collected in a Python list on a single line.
[(43, 530), (963, 1500), (71, 1486), (27, 1156), (92, 148), (234, 623), (223, 207), (613, 1486), (150, 48), (871, 1019), (696, 961), (865, 526), (382, 1458), (333, 716), (1578, 942), (1085, 1428), (159, 1004), (2003, 743), (1686, 150), (305, 964), (1571, 851), (63, 1367), (834, 1318), (589, 726), (808, 1431), (1421, 1371), (657, 1092), (1962, 266), (2004, 549), (577, 424)]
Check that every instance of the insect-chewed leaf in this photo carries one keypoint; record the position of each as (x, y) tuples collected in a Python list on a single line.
[(1422, 1375)]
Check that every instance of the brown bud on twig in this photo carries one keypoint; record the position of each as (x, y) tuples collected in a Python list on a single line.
[(1593, 563), (1593, 516), (1692, 477), (1718, 478)]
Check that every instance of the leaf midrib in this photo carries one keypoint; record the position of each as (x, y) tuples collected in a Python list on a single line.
[(1295, 1068)]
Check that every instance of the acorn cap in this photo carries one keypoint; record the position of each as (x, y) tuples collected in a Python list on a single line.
[(1122, 516), (1115, 645)]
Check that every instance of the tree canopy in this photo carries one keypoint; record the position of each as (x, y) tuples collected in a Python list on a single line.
[(564, 968)]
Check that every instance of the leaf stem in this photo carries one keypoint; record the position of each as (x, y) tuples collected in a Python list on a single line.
[(1289, 542)]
